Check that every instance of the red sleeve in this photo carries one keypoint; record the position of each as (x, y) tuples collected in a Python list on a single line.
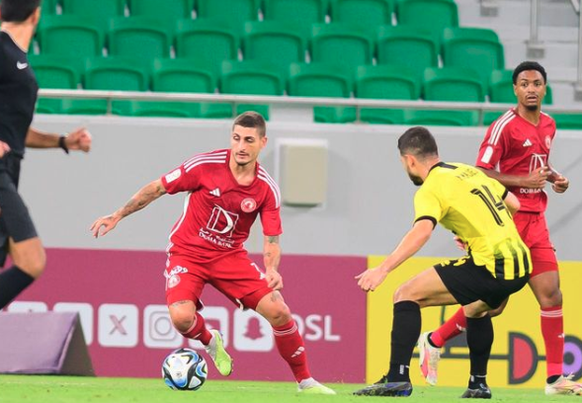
[(271, 213), (182, 179), (492, 147)]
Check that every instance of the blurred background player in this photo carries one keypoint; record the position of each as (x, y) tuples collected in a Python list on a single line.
[(476, 208), (18, 93), (227, 189), (516, 152)]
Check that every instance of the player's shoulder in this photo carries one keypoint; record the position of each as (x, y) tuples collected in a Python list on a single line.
[(504, 121), (206, 159), (547, 118), (268, 181)]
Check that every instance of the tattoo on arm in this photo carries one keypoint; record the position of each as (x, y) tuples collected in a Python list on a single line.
[(145, 196)]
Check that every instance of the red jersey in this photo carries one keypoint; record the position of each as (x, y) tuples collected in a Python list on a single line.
[(219, 212), (514, 146)]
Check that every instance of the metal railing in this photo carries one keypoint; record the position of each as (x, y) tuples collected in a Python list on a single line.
[(291, 101)]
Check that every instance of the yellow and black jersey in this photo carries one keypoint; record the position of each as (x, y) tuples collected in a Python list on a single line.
[(470, 204)]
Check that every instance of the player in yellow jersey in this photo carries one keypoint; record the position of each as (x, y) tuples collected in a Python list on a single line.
[(478, 210)]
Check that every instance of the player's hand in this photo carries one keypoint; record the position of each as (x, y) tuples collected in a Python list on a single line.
[(4, 149), (371, 279), (460, 244), (561, 184), (537, 179), (107, 223), (274, 279), (79, 139)]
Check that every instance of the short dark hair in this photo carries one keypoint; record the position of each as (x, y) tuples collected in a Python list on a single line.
[(418, 141), (17, 10), (525, 66), (252, 119)]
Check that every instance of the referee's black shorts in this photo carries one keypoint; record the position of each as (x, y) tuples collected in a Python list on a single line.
[(15, 221), (468, 282)]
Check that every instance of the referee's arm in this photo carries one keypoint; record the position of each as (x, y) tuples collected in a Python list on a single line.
[(79, 139)]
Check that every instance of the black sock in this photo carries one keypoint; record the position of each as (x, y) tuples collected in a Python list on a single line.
[(475, 381), (479, 340), (553, 378), (405, 332), (12, 281)]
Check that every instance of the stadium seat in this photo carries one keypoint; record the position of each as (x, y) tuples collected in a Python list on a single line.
[(366, 14), (453, 85), (420, 48), (167, 109), (208, 41), (233, 13), (251, 78), (139, 38), (115, 74), (167, 12), (49, 106), (440, 118), (322, 80), (49, 7), (184, 75), (274, 43), (342, 45), (568, 121), (433, 15), (100, 12), (300, 14), (70, 36), (84, 106), (57, 71), (385, 82), (477, 48), (501, 88)]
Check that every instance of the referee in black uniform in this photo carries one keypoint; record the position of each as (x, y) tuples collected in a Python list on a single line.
[(18, 93)]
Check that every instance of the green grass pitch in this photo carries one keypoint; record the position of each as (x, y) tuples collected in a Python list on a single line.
[(65, 389)]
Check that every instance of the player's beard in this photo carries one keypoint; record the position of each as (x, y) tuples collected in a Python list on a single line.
[(415, 179), (532, 108)]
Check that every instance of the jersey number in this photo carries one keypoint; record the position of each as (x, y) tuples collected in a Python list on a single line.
[(494, 205)]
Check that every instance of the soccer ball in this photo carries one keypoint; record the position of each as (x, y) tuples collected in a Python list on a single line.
[(184, 369)]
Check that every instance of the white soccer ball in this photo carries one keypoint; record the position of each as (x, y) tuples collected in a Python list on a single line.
[(184, 369)]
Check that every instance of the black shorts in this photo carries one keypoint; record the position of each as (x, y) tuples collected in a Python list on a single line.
[(468, 282), (15, 221)]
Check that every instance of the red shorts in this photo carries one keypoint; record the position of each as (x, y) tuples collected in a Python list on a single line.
[(235, 276), (534, 232)]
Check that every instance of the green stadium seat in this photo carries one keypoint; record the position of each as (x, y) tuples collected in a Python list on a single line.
[(184, 75), (210, 42), (440, 118), (166, 109), (385, 82), (366, 14), (57, 71), (568, 121), (301, 14), (168, 10), (100, 11), (49, 7), (477, 48), (453, 85), (322, 80), (274, 43), (233, 13), (70, 36), (251, 78), (433, 15), (501, 88), (84, 106), (49, 106), (115, 74), (419, 47), (342, 45), (139, 38)]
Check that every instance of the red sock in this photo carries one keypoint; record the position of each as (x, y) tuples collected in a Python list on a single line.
[(553, 332), (198, 331), (450, 329), (291, 347)]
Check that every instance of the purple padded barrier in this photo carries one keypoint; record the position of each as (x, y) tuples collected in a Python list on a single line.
[(43, 343)]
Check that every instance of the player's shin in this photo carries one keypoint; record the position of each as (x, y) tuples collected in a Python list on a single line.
[(292, 348), (479, 341), (405, 331)]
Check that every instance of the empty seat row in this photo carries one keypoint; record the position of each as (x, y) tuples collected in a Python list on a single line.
[(435, 14), (278, 44)]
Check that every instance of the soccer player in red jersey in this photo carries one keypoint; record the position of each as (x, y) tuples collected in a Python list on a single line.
[(516, 152), (226, 191)]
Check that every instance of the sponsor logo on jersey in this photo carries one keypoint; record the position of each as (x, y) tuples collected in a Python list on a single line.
[(537, 161), (215, 192), (222, 221), (248, 205), (172, 176), (21, 66), (527, 143), (173, 281), (548, 141)]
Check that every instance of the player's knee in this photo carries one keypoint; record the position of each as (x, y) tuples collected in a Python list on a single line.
[(279, 314), (551, 299), (403, 293), (182, 319)]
